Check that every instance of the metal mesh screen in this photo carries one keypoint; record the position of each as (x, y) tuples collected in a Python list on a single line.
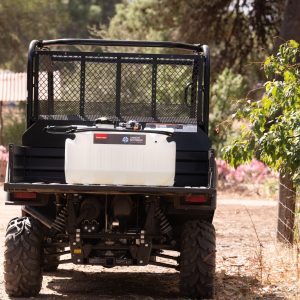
[(171, 83), (63, 97), (100, 89), (136, 83), (117, 85)]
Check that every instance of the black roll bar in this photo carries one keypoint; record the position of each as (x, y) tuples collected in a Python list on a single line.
[(206, 54), (31, 50), (120, 43)]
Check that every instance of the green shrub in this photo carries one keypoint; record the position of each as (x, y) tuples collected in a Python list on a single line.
[(225, 91)]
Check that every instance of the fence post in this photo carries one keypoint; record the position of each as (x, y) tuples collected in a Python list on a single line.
[(286, 209)]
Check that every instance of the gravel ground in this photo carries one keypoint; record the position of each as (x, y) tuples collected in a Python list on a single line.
[(236, 249)]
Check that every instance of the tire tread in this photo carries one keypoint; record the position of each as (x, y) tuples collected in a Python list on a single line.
[(198, 260), (23, 257)]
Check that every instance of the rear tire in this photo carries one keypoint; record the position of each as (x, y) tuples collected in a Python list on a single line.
[(51, 262), (23, 257), (198, 260)]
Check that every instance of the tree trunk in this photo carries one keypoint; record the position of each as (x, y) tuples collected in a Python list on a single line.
[(287, 192), (291, 21), (286, 209)]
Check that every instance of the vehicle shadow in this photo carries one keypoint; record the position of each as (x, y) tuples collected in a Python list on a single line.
[(73, 284), (114, 285)]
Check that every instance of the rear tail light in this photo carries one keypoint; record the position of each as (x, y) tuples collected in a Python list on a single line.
[(196, 199), (24, 195)]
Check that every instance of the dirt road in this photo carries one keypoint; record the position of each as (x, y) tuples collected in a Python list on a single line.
[(236, 250)]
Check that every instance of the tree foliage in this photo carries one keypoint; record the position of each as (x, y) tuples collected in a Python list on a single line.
[(140, 20), (233, 28), (22, 21), (273, 131), (86, 14), (225, 91)]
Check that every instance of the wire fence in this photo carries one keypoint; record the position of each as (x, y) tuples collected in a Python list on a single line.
[(288, 225)]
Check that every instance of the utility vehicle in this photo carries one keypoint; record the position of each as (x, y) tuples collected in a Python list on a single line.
[(115, 166)]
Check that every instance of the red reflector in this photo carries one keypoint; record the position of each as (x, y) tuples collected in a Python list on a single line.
[(196, 198), (24, 195), (101, 136)]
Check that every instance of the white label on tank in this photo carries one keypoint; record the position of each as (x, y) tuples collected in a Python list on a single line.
[(121, 139), (176, 127)]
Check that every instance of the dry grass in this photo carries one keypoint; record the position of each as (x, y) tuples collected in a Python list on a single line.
[(271, 273), (281, 270), (261, 268)]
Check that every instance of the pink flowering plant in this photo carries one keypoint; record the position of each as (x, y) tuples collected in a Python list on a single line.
[(255, 176)]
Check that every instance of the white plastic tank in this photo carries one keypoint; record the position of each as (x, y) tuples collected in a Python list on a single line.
[(120, 158)]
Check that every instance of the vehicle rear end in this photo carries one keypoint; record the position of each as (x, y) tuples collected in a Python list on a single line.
[(115, 167)]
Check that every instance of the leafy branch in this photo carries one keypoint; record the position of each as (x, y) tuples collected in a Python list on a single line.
[(273, 122)]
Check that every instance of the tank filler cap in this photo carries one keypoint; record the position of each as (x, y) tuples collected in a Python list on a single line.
[(104, 122)]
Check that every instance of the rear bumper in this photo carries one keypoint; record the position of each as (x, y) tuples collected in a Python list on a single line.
[(105, 189), (56, 188)]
